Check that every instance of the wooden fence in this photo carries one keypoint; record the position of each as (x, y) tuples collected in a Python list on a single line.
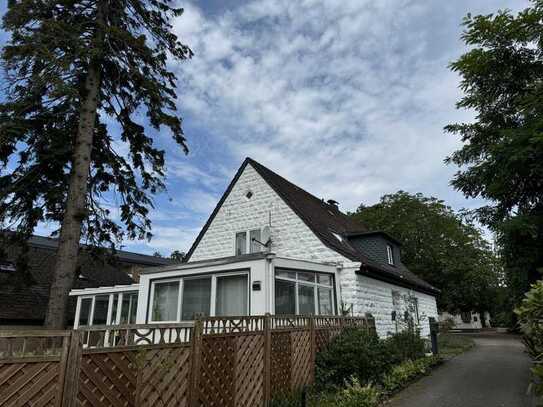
[(234, 361)]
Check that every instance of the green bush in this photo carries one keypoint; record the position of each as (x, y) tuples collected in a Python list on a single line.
[(404, 345), (356, 353), (406, 372), (530, 315), (356, 395)]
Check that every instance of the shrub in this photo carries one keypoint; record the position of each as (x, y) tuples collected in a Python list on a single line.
[(530, 315), (405, 345), (356, 353), (356, 395), (404, 373)]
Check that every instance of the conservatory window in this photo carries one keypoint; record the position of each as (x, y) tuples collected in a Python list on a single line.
[(85, 311), (196, 297), (303, 292), (165, 303), (231, 297)]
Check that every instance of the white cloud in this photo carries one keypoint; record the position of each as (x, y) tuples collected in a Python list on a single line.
[(349, 100)]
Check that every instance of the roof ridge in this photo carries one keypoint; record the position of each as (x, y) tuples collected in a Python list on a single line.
[(321, 200)]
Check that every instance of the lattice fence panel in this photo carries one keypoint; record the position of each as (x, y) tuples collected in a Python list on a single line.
[(249, 370), (108, 379), (302, 366), (280, 362), (324, 336), (216, 384), (29, 383), (164, 377)]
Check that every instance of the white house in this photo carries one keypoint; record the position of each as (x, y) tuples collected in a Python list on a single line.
[(270, 246)]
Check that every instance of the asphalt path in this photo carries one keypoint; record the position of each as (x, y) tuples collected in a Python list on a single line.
[(495, 373)]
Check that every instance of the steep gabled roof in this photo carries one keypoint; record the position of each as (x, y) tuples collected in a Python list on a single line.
[(326, 221)]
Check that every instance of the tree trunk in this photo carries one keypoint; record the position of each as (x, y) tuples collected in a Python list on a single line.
[(76, 201)]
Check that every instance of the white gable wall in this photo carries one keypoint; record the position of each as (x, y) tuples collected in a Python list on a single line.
[(292, 238)]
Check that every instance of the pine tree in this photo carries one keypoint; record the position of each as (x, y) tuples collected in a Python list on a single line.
[(72, 67)]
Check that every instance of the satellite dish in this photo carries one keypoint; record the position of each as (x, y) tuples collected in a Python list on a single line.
[(266, 235)]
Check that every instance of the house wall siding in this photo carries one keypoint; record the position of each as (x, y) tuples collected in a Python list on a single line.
[(292, 238), (367, 295), (375, 247)]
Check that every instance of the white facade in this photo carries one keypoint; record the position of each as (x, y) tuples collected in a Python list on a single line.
[(292, 238), (252, 204), (469, 320)]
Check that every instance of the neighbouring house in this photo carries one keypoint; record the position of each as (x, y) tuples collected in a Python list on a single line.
[(271, 247), (467, 320), (24, 294)]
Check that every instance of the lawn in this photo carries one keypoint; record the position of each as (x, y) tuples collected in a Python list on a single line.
[(450, 345)]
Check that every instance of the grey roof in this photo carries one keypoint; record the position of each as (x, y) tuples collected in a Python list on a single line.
[(122, 255), (24, 296)]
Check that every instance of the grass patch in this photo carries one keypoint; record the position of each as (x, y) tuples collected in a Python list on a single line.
[(450, 345)]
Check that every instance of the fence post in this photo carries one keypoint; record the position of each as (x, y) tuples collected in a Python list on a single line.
[(434, 329), (371, 323), (313, 346), (196, 349), (71, 370), (267, 358)]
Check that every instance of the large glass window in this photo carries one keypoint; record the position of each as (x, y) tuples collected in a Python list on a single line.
[(285, 297), (85, 311), (129, 308), (303, 292), (101, 303), (165, 301), (306, 299), (326, 301), (231, 298), (196, 297)]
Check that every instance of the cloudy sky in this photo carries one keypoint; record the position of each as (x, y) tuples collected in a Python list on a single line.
[(346, 99)]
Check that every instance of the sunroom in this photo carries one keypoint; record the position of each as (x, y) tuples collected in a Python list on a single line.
[(251, 284)]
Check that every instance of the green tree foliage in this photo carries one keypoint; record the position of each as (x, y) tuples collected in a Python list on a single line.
[(86, 80), (501, 159), (440, 246), (530, 315)]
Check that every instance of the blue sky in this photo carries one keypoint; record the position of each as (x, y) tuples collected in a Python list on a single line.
[(346, 99)]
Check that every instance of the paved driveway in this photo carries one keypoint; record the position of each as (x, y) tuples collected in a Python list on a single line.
[(495, 373)]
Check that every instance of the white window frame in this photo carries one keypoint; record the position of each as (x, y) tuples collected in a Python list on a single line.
[(247, 240), (390, 255), (297, 282), (213, 296), (152, 299)]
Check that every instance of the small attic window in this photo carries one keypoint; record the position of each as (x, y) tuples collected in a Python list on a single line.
[(249, 194), (7, 267), (390, 255)]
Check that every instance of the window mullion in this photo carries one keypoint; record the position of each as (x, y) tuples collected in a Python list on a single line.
[(213, 296), (297, 308), (315, 289), (91, 316), (180, 300)]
